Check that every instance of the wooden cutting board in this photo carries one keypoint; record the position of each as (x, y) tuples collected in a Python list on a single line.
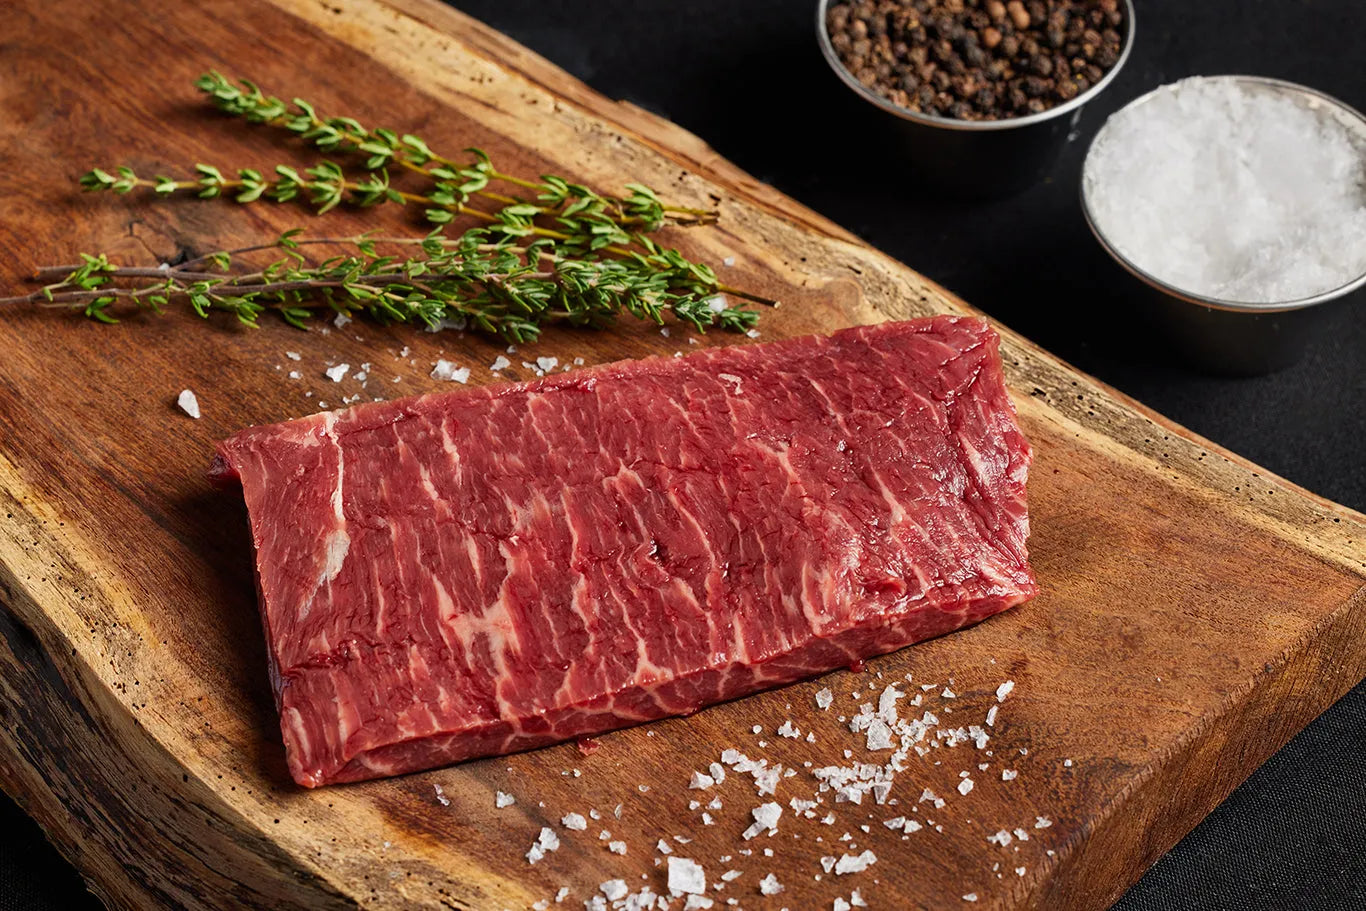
[(1197, 611)]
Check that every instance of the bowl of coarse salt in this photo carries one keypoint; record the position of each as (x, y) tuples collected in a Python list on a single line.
[(1240, 204)]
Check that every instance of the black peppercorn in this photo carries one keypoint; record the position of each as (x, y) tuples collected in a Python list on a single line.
[(977, 59)]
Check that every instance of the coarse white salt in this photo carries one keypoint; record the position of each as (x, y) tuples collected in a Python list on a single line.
[(1008, 774), (1042, 822), (965, 786), (441, 797), (991, 715), (700, 781), (188, 403), (970, 897), (617, 847), (730, 876), (766, 817), (340, 320), (562, 894), (545, 842), (614, 889), (728, 261), (574, 821), (824, 699), (500, 363), (849, 863), (841, 904), (447, 370), (547, 363), (295, 375), (501, 800), (697, 903), (1233, 190), (1004, 689), (293, 355), (337, 373), (686, 876)]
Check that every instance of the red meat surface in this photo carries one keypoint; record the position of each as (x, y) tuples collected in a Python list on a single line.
[(493, 569)]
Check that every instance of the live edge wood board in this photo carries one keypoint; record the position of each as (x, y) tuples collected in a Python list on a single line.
[(1196, 610)]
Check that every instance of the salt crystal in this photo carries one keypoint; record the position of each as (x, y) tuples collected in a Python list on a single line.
[(717, 772), (824, 699), (730, 876), (970, 897), (341, 320), (293, 355), (441, 797), (337, 373), (501, 800), (1008, 774), (500, 363), (295, 375), (1004, 689), (991, 715), (614, 889), (855, 864), (188, 403), (1042, 822), (700, 782), (965, 786), (1232, 190), (574, 821), (728, 261), (686, 876), (547, 363), (617, 847), (446, 370), (769, 885), (841, 904)]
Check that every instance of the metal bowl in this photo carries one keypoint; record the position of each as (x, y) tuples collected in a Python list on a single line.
[(976, 158), (1236, 338)]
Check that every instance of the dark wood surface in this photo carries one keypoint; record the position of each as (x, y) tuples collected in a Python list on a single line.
[(1163, 663)]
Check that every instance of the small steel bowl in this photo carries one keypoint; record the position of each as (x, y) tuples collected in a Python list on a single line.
[(976, 159), (1235, 338)]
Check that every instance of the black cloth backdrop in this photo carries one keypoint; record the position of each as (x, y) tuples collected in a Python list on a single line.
[(747, 77)]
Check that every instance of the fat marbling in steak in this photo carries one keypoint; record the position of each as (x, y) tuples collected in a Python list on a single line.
[(488, 570)]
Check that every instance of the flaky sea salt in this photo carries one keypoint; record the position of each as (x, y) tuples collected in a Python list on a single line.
[(446, 370), (686, 876), (337, 373), (188, 403), (1233, 190), (501, 800)]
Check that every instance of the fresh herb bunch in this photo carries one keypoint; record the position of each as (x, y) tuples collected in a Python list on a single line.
[(565, 254), (477, 281)]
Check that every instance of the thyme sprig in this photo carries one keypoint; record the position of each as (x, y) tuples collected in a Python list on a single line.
[(326, 185), (380, 148), (480, 280)]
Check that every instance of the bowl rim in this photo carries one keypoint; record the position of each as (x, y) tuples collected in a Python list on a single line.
[(970, 126), (1187, 295)]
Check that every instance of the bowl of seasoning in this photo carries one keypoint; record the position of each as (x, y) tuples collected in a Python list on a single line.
[(1239, 204), (978, 97)]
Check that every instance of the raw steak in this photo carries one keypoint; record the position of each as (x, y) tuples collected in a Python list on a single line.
[(494, 569)]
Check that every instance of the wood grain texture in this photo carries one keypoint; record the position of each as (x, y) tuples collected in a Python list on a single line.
[(1197, 611)]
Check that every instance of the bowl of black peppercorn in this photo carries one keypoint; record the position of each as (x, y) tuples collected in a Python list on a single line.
[(975, 97)]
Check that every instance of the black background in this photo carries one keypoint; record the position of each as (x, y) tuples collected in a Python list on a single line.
[(746, 76)]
